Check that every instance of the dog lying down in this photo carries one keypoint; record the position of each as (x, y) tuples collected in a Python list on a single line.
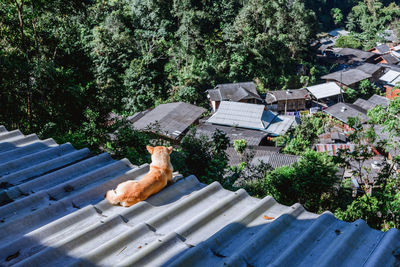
[(131, 192)]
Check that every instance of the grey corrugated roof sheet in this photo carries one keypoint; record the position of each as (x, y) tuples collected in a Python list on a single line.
[(291, 94), (251, 116), (58, 217), (372, 102), (252, 137), (173, 118), (342, 112), (391, 77), (369, 68), (268, 154), (234, 92)]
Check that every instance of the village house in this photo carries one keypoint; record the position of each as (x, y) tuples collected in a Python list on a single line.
[(326, 93), (343, 111), (353, 76), (287, 100), (170, 120), (389, 80), (350, 56), (252, 116), (245, 92)]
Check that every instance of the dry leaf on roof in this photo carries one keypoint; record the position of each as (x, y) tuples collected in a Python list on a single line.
[(268, 218)]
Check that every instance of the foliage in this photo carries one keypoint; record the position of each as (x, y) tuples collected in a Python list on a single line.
[(240, 145), (306, 181), (299, 139), (365, 90), (348, 41)]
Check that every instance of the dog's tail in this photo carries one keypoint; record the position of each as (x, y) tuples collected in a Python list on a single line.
[(112, 197)]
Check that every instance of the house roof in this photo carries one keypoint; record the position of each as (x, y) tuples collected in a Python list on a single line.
[(339, 32), (324, 90), (369, 68), (364, 104), (252, 137), (266, 154), (281, 124), (391, 77), (251, 116), (283, 95), (342, 112), (356, 55), (333, 149), (390, 59), (173, 119), (234, 92), (383, 48), (379, 100), (347, 77), (58, 217), (338, 136)]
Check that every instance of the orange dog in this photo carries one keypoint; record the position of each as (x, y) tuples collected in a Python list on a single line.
[(132, 192)]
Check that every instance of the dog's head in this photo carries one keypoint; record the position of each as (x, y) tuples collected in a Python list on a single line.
[(159, 154)]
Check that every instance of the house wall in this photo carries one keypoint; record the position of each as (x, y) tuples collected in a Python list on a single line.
[(292, 105), (215, 105)]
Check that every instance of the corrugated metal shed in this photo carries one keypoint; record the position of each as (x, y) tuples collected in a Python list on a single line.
[(57, 217), (324, 90), (173, 118), (243, 115)]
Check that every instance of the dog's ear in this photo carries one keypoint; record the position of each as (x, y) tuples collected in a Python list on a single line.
[(169, 149), (150, 149)]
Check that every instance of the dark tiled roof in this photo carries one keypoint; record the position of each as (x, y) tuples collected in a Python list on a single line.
[(383, 48), (342, 112), (347, 77), (291, 94), (390, 59), (173, 118), (252, 137), (234, 92), (58, 217), (266, 154)]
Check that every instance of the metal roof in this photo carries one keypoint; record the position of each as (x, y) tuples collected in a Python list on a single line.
[(281, 124), (391, 77), (356, 54), (383, 48), (379, 100), (57, 216), (324, 90), (173, 118), (390, 59), (252, 137), (251, 116), (234, 92)]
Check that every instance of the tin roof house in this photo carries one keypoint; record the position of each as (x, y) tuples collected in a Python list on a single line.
[(245, 92)]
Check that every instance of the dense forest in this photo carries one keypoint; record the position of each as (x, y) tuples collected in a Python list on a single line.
[(65, 65)]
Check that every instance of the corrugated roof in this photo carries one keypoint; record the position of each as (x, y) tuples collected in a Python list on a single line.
[(173, 118), (369, 68), (356, 54), (364, 104), (379, 100), (252, 137), (58, 217), (390, 77), (390, 59), (251, 116), (281, 124), (324, 90)]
